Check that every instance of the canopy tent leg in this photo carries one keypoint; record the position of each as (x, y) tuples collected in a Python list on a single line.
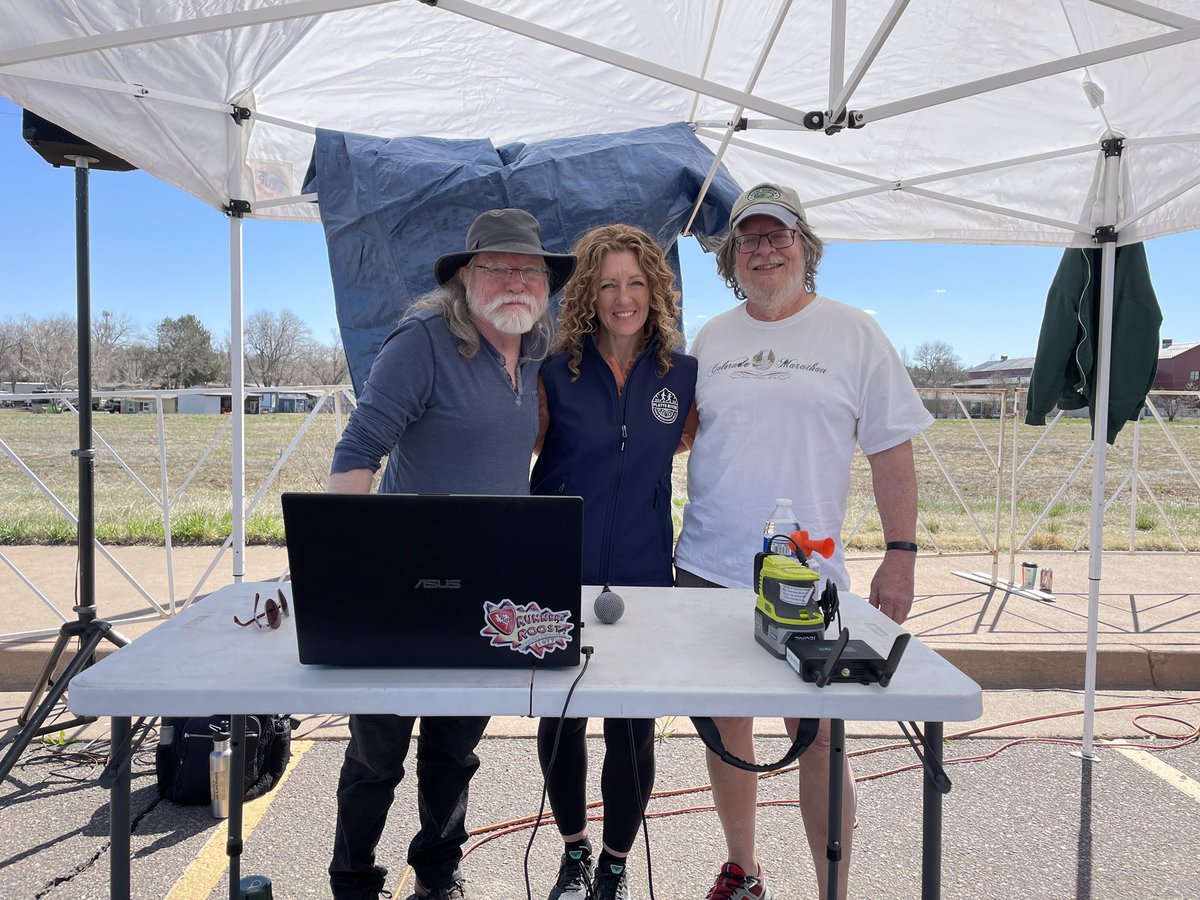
[(1108, 262), (237, 383)]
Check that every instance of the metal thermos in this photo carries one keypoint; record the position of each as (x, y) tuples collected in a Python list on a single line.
[(218, 774)]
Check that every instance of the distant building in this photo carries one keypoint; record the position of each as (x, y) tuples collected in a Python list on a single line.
[(216, 402), (1000, 373), (1178, 366), (287, 401), (148, 403)]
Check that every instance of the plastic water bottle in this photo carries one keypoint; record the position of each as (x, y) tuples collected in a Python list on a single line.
[(782, 522), (218, 774)]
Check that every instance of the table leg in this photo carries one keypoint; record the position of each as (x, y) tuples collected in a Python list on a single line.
[(931, 830), (237, 791), (118, 809), (837, 767)]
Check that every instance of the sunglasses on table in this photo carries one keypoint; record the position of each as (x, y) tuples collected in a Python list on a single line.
[(273, 612)]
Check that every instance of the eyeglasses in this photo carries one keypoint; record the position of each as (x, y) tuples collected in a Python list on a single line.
[(748, 243), (273, 612), (528, 275)]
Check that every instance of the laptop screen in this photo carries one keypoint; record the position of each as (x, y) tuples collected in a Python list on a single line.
[(435, 579)]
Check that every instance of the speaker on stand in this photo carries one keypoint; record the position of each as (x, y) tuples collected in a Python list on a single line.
[(60, 147)]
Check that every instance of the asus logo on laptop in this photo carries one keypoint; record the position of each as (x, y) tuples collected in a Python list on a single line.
[(439, 584)]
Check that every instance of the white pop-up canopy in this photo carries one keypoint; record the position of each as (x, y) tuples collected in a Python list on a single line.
[(978, 122), (923, 120)]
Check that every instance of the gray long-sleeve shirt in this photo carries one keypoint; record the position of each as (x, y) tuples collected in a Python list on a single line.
[(447, 424)]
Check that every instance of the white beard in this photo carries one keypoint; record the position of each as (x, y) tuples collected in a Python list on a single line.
[(773, 300), (511, 320)]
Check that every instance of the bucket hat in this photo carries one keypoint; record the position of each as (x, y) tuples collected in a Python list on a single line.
[(506, 231)]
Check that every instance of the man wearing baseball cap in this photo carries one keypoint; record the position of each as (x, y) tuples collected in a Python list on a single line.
[(789, 383), (451, 400)]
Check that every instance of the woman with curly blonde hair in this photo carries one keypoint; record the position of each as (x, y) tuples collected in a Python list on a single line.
[(614, 395)]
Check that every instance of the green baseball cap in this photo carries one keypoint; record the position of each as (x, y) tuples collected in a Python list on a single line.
[(768, 199)]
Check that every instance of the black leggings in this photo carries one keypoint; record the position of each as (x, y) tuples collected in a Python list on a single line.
[(566, 784)]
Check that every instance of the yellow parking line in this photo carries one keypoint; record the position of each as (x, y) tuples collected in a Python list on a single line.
[(1169, 774), (211, 863)]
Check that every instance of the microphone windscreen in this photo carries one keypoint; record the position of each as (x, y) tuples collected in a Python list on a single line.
[(609, 607)]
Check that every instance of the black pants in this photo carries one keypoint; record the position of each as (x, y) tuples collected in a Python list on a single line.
[(373, 767), (625, 796)]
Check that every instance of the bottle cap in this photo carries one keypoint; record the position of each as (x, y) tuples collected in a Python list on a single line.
[(783, 501)]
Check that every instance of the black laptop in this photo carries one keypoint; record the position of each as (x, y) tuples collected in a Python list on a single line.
[(435, 579)]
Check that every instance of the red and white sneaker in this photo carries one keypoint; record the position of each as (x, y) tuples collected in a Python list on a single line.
[(734, 884)]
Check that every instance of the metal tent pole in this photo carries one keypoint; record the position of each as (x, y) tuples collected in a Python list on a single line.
[(1108, 238), (237, 383)]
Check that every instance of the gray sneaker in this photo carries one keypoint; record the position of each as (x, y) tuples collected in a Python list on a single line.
[(610, 883), (734, 884), (455, 891), (574, 875)]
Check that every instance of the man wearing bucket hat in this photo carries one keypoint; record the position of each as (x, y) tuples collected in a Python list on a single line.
[(451, 400), (789, 382)]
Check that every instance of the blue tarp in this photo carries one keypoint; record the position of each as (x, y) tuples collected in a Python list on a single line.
[(392, 207)]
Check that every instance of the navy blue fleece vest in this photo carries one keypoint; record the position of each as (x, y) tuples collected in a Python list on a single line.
[(615, 451)]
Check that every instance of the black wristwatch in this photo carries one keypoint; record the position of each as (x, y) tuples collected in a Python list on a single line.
[(901, 545)]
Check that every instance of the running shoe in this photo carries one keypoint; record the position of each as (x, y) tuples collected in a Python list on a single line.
[(574, 875), (455, 891), (610, 883), (734, 884)]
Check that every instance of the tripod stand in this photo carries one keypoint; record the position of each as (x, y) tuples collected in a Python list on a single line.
[(88, 628)]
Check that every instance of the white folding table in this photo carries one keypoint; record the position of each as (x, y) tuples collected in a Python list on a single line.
[(676, 651)]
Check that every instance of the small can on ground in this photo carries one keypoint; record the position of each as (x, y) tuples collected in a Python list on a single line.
[(255, 887), (1047, 583), (1029, 575)]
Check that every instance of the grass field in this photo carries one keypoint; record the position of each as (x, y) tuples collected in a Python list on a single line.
[(126, 514)]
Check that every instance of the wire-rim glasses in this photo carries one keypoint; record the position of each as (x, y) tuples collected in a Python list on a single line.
[(273, 612), (748, 243), (528, 275)]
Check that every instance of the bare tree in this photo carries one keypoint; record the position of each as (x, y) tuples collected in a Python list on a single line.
[(184, 353), (111, 333), (49, 351), (1172, 404), (935, 364), (324, 363), (10, 352), (135, 365), (275, 344)]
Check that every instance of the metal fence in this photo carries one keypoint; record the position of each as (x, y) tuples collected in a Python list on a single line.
[(988, 483)]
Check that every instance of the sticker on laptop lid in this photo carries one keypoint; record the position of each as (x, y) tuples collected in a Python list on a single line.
[(526, 629)]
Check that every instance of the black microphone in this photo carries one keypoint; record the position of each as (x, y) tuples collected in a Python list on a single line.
[(609, 606)]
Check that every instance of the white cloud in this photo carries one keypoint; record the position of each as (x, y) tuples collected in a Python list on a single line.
[(939, 290), (871, 312)]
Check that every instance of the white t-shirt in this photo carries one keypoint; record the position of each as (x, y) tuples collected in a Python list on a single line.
[(782, 405)]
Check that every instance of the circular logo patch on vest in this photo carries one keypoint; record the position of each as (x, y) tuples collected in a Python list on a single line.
[(665, 406)]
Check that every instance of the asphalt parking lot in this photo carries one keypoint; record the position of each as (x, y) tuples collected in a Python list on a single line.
[(1025, 818)]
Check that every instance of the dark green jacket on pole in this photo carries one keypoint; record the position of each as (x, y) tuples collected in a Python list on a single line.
[(1064, 371)]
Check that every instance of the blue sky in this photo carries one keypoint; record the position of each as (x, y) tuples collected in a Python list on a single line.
[(158, 252)]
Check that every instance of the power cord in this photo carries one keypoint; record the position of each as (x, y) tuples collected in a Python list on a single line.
[(489, 833), (587, 658), (637, 786)]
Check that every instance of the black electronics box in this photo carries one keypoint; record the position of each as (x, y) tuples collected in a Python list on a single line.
[(858, 663)]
